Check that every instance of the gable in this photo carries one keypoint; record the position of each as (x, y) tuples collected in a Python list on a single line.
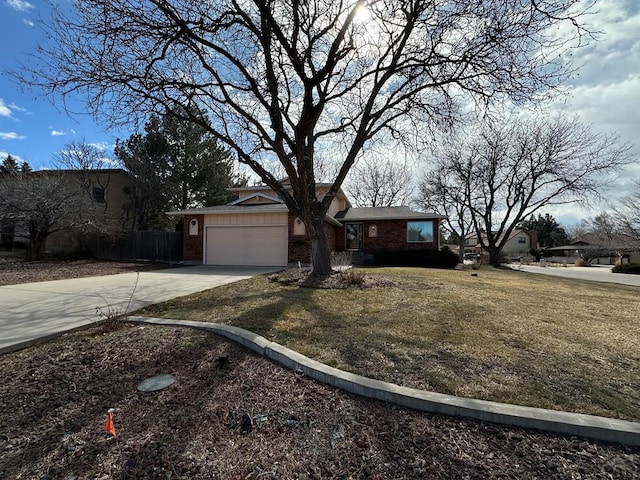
[(257, 198)]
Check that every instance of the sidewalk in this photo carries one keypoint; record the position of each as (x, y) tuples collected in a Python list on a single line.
[(594, 274)]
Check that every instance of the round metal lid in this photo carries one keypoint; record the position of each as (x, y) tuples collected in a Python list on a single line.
[(156, 383)]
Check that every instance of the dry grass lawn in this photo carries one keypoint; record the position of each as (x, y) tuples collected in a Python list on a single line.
[(505, 336)]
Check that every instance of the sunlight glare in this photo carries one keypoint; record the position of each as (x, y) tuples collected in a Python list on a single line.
[(362, 13)]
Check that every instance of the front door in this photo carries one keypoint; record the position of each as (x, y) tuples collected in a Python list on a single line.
[(353, 237)]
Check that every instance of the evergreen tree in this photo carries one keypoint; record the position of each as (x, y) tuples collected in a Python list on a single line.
[(9, 166), (550, 233), (175, 164)]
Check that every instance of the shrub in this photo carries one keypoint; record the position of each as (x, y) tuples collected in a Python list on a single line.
[(581, 262), (444, 258), (633, 268), (341, 259)]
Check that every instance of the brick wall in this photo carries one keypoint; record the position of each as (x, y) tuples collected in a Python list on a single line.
[(391, 235), (193, 245), (299, 246)]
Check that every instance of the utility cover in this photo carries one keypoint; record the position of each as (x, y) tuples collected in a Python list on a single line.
[(156, 383)]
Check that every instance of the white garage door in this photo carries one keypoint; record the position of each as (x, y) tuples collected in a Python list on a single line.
[(247, 245)]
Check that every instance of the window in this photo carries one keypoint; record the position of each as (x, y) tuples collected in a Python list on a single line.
[(420, 232), (98, 194), (353, 236), (522, 240)]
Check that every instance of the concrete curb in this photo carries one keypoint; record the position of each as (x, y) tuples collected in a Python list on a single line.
[(589, 426)]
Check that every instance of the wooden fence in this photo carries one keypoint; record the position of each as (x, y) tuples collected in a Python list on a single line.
[(142, 245)]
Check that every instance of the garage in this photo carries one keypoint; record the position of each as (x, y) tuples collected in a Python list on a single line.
[(259, 245)]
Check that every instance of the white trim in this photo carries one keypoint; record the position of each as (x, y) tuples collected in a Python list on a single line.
[(255, 195)]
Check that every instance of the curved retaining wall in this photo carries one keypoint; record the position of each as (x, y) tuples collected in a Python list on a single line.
[(590, 426)]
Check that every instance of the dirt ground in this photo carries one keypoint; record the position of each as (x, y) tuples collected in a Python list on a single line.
[(234, 415), (14, 270)]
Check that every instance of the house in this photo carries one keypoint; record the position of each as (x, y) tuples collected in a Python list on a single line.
[(106, 194), (108, 189), (258, 229), (598, 251), (519, 243)]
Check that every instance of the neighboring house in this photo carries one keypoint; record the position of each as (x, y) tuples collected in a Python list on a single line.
[(107, 189), (258, 229), (621, 249), (519, 244)]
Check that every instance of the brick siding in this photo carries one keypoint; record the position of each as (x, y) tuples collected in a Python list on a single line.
[(193, 244), (299, 246), (391, 235)]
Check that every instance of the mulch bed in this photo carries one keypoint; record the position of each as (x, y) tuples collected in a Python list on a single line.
[(336, 280), (235, 415)]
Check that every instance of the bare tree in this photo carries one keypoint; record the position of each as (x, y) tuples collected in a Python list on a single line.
[(507, 172), (86, 159), (283, 79), (380, 182), (628, 214), (606, 236), (41, 203), (83, 156), (445, 189)]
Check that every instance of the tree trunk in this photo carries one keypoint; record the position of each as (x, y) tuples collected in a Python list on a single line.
[(36, 247), (494, 255), (320, 254), (461, 249)]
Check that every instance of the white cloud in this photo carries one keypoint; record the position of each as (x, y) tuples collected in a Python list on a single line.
[(616, 52), (611, 107), (60, 133), (18, 108), (11, 136), (20, 5), (101, 145), (5, 111), (606, 90), (28, 23)]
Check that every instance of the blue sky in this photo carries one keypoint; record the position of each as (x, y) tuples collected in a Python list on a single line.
[(606, 92), (32, 128)]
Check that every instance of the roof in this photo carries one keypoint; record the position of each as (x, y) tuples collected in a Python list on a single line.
[(285, 182), (270, 208), (227, 209), (514, 233), (257, 196), (567, 247), (384, 213), (78, 170)]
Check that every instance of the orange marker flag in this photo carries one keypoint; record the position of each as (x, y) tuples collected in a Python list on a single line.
[(109, 427)]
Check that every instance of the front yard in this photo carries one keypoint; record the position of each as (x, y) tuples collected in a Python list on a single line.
[(502, 335)]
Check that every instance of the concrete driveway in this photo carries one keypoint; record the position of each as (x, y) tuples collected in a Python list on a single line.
[(34, 311), (595, 274)]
